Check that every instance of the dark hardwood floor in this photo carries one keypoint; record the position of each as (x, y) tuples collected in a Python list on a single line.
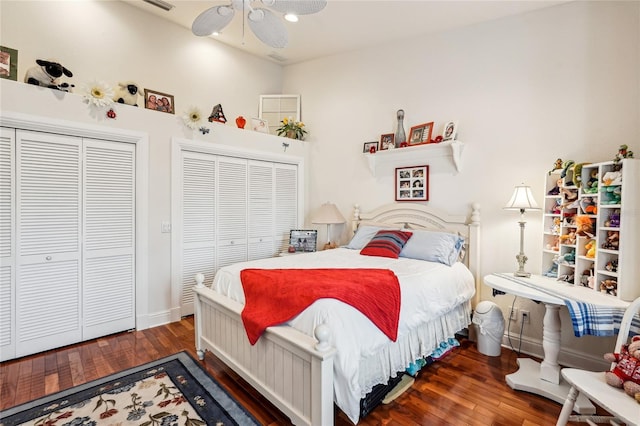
[(463, 388)]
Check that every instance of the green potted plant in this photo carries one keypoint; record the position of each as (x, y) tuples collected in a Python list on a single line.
[(291, 129)]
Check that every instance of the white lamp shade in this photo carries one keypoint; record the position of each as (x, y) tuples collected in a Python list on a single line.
[(328, 214), (522, 199)]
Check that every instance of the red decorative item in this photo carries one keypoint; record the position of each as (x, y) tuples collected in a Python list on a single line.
[(111, 113), (240, 122), (438, 139), (372, 150), (404, 145)]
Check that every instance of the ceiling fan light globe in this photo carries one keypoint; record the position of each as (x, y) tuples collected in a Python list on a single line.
[(256, 15), (224, 10)]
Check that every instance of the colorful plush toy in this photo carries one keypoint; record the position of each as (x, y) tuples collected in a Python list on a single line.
[(591, 249), (47, 74), (609, 287), (584, 226), (626, 373), (613, 240), (588, 205)]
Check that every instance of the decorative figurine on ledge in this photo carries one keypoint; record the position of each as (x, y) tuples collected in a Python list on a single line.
[(217, 114)]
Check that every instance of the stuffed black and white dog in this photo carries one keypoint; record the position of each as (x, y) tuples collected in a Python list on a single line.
[(127, 92), (47, 74)]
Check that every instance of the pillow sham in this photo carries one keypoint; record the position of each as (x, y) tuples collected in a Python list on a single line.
[(386, 243), (434, 246), (364, 234)]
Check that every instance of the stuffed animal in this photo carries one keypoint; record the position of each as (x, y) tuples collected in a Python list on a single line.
[(613, 221), (591, 185), (626, 373), (569, 238), (590, 248), (584, 226), (609, 287), (127, 92), (569, 198), (612, 178), (47, 74), (623, 152), (588, 205), (613, 240), (613, 195)]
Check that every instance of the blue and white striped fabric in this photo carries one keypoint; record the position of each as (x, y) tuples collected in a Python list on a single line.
[(587, 318)]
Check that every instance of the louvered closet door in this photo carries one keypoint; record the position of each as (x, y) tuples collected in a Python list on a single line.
[(261, 210), (7, 248), (108, 302), (48, 241), (232, 211), (198, 223), (286, 203)]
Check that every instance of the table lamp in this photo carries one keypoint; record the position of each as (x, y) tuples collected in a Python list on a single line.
[(522, 199), (328, 214)]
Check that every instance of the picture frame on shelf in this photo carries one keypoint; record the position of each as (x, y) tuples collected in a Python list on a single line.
[(259, 125), (159, 101), (450, 131), (421, 134), (387, 141), (303, 240), (8, 63), (370, 147), (412, 183)]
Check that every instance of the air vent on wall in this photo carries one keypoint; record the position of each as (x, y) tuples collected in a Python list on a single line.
[(161, 4)]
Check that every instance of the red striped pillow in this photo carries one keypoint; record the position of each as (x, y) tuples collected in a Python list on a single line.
[(386, 243)]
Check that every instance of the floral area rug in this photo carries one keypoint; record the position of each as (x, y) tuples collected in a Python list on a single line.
[(171, 391)]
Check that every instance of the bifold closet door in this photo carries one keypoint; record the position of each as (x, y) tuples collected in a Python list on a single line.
[(48, 223), (7, 244), (198, 223), (260, 210), (108, 279), (286, 203)]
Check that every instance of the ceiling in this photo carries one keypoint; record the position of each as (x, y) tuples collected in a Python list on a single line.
[(346, 25)]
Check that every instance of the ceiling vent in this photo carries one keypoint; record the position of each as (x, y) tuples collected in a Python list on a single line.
[(161, 4)]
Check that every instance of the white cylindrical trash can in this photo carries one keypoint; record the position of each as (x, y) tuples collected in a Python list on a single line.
[(490, 322)]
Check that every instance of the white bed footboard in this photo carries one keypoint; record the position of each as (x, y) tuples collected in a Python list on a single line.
[(291, 369)]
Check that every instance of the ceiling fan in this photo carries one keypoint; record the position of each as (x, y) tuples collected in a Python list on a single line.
[(264, 23)]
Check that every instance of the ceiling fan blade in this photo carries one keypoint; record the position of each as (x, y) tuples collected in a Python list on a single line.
[(298, 7), (212, 20), (268, 27)]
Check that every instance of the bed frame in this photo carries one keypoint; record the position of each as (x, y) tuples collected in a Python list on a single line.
[(291, 369)]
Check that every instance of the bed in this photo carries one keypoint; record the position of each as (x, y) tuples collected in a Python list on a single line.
[(305, 365)]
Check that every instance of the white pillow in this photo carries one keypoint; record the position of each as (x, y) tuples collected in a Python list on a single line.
[(364, 234), (433, 246)]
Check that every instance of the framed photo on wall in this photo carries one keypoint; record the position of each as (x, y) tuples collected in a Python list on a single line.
[(158, 101), (450, 131), (387, 141), (412, 183), (421, 134), (370, 147), (8, 63)]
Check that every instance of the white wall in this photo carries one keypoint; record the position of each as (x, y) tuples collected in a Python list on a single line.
[(560, 82)]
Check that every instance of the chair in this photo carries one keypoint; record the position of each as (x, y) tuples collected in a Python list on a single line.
[(592, 385)]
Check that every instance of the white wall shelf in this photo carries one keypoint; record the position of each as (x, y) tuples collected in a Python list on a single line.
[(441, 157)]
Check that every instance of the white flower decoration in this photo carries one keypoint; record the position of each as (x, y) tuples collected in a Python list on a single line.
[(98, 93), (192, 118)]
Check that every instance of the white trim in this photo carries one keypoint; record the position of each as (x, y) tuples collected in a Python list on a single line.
[(178, 145), (141, 140)]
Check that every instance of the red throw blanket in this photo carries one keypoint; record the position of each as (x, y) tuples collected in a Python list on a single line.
[(274, 296)]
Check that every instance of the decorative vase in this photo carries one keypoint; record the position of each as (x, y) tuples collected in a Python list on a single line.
[(240, 122), (291, 134), (400, 136)]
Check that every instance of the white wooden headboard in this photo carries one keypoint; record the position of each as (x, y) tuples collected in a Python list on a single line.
[(420, 216)]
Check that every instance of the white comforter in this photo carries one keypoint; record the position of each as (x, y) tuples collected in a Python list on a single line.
[(428, 290)]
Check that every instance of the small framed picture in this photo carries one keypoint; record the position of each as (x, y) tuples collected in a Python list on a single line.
[(370, 147), (8, 63), (412, 183), (450, 131), (387, 141), (259, 125), (158, 101), (421, 134), (303, 240)]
